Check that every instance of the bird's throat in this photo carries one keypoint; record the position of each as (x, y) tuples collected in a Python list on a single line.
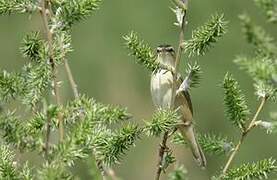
[(166, 59)]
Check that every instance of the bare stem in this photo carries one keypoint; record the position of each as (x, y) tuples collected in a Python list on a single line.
[(177, 61), (181, 40), (71, 79), (162, 150), (233, 154), (251, 125), (47, 137), (43, 11)]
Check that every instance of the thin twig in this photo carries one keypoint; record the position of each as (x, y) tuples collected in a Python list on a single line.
[(48, 126), (181, 40), (162, 150), (47, 136), (234, 153), (163, 145), (71, 79), (251, 125), (52, 61)]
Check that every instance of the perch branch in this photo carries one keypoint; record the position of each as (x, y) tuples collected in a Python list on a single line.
[(177, 62), (72, 82)]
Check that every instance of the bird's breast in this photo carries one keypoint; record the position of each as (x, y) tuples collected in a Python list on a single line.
[(161, 88)]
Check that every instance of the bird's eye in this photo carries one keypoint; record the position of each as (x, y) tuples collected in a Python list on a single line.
[(159, 50)]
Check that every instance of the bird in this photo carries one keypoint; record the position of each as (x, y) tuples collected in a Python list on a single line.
[(161, 91)]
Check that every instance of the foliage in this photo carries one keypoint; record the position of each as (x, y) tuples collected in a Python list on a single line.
[(33, 47), (17, 6), (263, 43), (270, 9), (142, 52), (90, 129), (9, 168), (258, 170), (179, 173), (70, 12), (162, 121), (210, 143), (206, 35), (234, 100), (111, 150), (262, 68), (192, 79)]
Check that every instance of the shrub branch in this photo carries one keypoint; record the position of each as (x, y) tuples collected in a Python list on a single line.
[(251, 125), (53, 65)]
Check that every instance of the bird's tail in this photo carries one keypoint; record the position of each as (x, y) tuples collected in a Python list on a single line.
[(188, 133)]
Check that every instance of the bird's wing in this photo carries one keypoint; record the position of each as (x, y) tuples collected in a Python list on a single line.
[(185, 95)]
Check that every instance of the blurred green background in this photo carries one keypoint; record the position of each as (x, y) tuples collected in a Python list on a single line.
[(103, 70)]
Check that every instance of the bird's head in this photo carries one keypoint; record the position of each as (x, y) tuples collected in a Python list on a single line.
[(166, 55)]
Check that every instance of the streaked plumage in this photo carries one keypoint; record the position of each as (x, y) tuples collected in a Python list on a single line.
[(161, 90)]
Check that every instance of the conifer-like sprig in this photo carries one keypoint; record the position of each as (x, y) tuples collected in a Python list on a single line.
[(194, 74), (9, 168), (23, 134), (141, 51), (54, 170), (10, 85), (192, 79), (256, 35), (70, 12), (263, 70), (11, 128), (37, 79), (32, 47), (99, 113), (111, 149), (269, 7), (78, 144), (17, 6), (108, 114), (236, 107), (162, 121), (260, 68), (27, 172), (179, 173), (210, 143), (258, 170), (87, 138), (205, 36), (214, 144), (61, 45), (27, 85)]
